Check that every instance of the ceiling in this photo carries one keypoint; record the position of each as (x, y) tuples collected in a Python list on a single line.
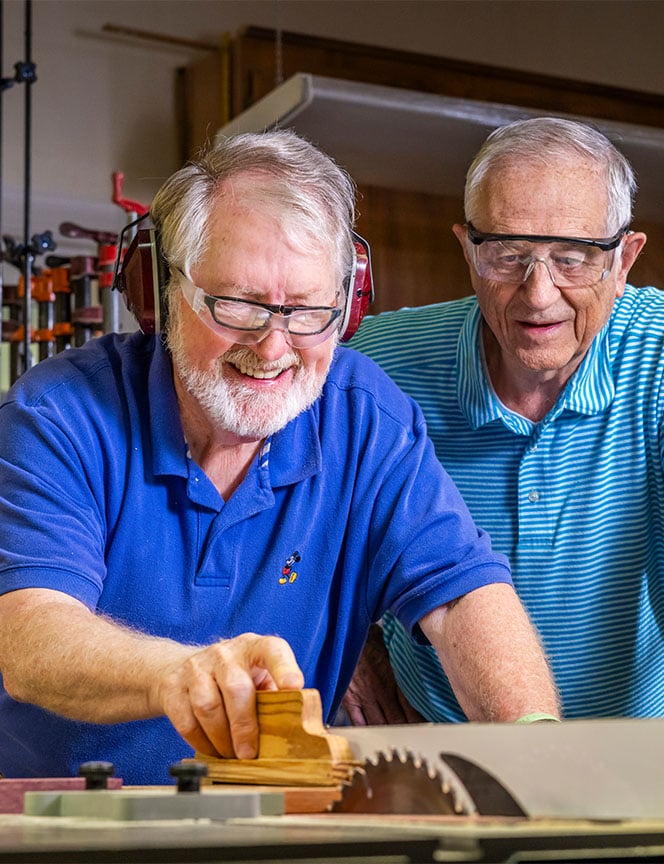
[(396, 138)]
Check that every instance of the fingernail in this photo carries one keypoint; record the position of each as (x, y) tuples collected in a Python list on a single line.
[(245, 751), (291, 681)]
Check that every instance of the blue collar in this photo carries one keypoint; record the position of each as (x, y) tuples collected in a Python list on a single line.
[(589, 391)]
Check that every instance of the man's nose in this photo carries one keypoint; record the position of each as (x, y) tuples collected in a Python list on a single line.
[(539, 282), (274, 343)]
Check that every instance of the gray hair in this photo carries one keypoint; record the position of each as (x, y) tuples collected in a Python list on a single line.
[(311, 195), (541, 139)]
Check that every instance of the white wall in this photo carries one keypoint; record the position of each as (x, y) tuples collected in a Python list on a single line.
[(105, 103)]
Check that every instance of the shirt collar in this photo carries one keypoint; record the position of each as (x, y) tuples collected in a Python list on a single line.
[(296, 452), (166, 433), (589, 391)]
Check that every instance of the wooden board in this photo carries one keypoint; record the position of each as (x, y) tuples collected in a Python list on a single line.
[(294, 747)]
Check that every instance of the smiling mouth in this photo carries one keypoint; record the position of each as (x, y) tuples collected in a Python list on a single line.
[(257, 372)]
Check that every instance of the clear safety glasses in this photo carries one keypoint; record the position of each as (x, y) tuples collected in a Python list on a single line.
[(249, 322), (571, 262)]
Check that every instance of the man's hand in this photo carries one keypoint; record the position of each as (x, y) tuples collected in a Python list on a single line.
[(373, 697), (210, 697)]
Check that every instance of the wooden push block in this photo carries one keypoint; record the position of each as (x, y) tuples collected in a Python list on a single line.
[(294, 746)]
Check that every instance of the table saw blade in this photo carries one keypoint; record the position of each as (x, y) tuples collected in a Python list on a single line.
[(579, 769), (400, 782)]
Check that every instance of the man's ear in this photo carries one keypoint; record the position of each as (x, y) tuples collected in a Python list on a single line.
[(629, 251), (460, 232)]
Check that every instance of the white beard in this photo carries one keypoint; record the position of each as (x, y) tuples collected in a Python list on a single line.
[(237, 408)]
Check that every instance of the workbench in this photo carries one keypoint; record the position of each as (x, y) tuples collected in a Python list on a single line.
[(324, 838)]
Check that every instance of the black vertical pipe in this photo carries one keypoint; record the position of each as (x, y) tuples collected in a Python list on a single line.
[(27, 269)]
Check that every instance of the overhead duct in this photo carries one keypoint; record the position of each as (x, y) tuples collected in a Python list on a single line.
[(402, 139)]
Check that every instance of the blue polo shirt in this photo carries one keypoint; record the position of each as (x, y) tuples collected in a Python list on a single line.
[(345, 513), (576, 502)]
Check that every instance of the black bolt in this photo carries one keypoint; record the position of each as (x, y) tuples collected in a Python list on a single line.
[(188, 775), (25, 71), (96, 774)]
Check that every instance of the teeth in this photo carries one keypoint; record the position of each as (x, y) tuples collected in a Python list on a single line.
[(259, 373)]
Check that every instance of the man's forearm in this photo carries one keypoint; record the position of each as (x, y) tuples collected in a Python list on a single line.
[(56, 653), (492, 656)]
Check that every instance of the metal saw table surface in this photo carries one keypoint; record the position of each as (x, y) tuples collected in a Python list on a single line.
[(326, 838)]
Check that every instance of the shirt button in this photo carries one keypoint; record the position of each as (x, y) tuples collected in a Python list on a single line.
[(533, 495)]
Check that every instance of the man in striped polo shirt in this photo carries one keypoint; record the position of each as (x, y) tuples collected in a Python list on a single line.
[(544, 397)]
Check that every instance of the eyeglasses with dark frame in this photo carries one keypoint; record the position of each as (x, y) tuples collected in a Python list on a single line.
[(251, 321), (570, 262)]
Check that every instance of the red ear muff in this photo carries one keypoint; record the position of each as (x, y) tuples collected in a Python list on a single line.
[(360, 293), (141, 274)]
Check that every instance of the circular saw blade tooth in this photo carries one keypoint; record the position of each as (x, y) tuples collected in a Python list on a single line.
[(419, 763), (380, 758)]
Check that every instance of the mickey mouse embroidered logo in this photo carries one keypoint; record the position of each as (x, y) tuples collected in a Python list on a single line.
[(289, 575)]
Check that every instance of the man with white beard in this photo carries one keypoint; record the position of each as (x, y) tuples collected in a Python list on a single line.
[(184, 521)]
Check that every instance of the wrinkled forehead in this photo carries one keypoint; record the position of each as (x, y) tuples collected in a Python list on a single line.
[(306, 225), (560, 197)]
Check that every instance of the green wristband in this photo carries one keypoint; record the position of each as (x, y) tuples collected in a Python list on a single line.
[(537, 717)]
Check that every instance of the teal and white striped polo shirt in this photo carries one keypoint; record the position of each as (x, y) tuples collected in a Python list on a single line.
[(576, 501)]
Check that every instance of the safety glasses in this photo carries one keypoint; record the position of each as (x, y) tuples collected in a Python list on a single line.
[(571, 261)]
